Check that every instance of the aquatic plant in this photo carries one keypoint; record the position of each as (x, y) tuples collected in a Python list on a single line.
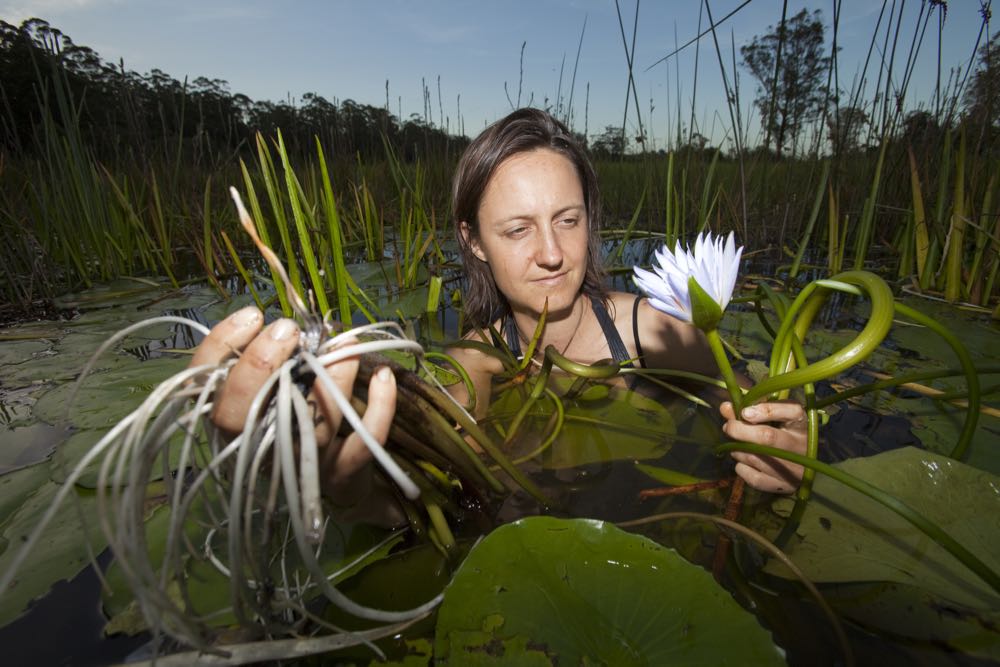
[(696, 285), (258, 493)]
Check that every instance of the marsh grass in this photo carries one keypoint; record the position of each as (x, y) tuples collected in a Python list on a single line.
[(160, 208)]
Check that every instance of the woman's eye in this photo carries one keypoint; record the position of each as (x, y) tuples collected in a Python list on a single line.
[(517, 232), (568, 222)]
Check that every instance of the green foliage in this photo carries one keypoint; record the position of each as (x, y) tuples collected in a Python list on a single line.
[(620, 599), (790, 67), (845, 536)]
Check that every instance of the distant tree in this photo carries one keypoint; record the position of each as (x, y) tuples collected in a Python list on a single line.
[(845, 128), (48, 81), (610, 143), (982, 98), (698, 143), (794, 52)]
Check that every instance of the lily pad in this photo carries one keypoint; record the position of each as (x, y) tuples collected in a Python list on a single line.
[(908, 612), (348, 548), (847, 537), (106, 397), (28, 444), (60, 553), (19, 351), (604, 423), (545, 590)]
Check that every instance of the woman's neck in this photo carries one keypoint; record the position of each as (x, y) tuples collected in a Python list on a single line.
[(561, 329)]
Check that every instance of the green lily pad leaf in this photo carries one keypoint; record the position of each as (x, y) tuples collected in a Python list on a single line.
[(114, 294), (976, 332), (19, 351), (348, 549), (408, 304), (106, 397), (908, 612), (18, 485), (382, 274), (938, 426), (75, 447), (28, 444), (60, 553), (585, 592), (219, 310), (603, 423), (847, 537)]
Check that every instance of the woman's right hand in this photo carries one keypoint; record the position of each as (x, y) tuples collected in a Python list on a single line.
[(346, 466)]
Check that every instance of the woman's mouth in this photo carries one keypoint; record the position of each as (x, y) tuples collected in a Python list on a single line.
[(550, 281)]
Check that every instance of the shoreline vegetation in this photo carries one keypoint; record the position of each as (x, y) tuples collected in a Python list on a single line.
[(108, 173)]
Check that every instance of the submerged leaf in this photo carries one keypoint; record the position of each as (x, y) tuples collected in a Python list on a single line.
[(847, 537), (603, 423), (60, 553), (543, 590), (908, 612)]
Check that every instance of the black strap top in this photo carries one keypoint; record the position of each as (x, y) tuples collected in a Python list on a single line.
[(615, 343)]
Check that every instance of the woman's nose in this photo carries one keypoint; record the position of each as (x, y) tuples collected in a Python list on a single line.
[(549, 253)]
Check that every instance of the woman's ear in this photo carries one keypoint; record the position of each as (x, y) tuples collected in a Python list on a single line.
[(470, 240)]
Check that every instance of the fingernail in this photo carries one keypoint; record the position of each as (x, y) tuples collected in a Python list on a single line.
[(750, 413), (282, 329), (384, 374), (246, 316)]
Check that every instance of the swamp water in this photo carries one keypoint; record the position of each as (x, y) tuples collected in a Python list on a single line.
[(899, 596)]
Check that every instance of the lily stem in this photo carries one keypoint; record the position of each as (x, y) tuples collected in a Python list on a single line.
[(726, 369)]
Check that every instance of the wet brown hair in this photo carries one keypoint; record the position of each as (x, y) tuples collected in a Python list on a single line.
[(522, 131)]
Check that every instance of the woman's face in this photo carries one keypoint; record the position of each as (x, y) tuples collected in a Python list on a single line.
[(533, 231)]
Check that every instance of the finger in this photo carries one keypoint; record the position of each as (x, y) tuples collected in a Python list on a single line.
[(228, 336), (342, 373), (761, 434), (726, 409), (349, 478), (771, 466), (777, 411), (762, 481), (262, 357)]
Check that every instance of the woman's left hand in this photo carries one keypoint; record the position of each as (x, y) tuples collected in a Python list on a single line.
[(780, 424)]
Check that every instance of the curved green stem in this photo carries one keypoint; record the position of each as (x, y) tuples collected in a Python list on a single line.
[(922, 523), (459, 369), (971, 377), (778, 301), (541, 381), (598, 371), (725, 369), (918, 376), (812, 425), (558, 418), (796, 323)]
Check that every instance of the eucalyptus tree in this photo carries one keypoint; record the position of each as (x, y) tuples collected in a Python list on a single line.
[(790, 65), (982, 97)]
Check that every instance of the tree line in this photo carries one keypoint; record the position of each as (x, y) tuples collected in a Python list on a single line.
[(126, 116)]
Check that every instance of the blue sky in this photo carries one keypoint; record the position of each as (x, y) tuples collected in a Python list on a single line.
[(349, 49)]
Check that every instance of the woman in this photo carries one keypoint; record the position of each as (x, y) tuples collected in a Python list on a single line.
[(526, 208), (526, 212)]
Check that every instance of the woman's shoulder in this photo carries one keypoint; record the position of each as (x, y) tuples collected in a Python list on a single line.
[(621, 305), (669, 342), (475, 351)]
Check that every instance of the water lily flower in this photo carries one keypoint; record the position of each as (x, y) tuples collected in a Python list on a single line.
[(712, 265), (696, 286)]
